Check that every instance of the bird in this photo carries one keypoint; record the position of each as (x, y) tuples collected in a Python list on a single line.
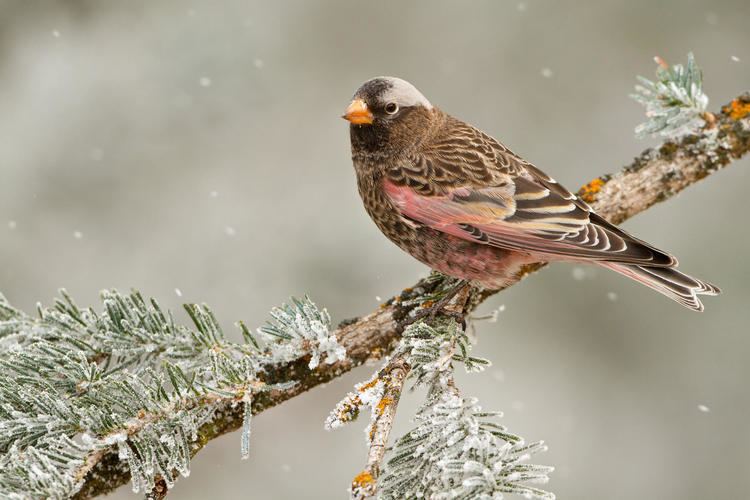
[(461, 202)]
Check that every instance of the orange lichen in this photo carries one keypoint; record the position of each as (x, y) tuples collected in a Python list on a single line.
[(368, 385), (428, 303), (383, 404), (362, 480), (588, 191), (737, 109)]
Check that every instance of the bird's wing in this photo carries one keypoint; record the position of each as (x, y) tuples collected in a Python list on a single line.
[(476, 189)]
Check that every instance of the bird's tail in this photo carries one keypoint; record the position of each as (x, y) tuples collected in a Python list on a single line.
[(669, 281)]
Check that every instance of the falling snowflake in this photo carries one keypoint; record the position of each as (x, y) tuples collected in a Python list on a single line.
[(579, 273)]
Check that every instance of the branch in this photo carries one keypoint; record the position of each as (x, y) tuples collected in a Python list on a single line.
[(654, 176), (393, 375)]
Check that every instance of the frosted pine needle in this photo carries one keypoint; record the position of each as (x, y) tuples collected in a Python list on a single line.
[(675, 103)]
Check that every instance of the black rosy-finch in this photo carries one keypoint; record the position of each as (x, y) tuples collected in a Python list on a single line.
[(462, 203)]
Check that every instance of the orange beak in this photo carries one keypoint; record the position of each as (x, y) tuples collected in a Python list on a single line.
[(357, 113)]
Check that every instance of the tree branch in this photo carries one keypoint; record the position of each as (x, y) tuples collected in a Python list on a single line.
[(654, 176), (393, 376)]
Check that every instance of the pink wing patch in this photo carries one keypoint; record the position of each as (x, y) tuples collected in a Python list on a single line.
[(540, 222)]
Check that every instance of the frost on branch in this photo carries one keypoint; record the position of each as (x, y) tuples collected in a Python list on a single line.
[(76, 384), (366, 394), (301, 327), (675, 103), (431, 352), (457, 450)]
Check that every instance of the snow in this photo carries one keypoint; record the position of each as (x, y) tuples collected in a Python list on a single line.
[(178, 292), (56, 33), (704, 408), (204, 81), (77, 235), (547, 73), (579, 273), (12, 224), (117, 437), (230, 231), (612, 296), (735, 59), (258, 63), (214, 194)]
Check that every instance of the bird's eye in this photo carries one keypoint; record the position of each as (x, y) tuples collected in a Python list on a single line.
[(391, 108)]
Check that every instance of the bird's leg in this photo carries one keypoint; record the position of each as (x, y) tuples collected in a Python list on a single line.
[(440, 305)]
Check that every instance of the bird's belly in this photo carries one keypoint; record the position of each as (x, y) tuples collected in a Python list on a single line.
[(490, 266)]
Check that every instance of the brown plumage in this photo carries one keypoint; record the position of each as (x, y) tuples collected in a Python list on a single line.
[(462, 203)]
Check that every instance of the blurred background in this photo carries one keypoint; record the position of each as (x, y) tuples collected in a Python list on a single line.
[(195, 148)]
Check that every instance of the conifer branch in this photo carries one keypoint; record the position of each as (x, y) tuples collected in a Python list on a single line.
[(221, 399)]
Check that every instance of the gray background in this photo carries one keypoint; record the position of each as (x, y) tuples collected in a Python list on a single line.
[(197, 145)]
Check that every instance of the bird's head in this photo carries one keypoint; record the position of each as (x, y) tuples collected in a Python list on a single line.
[(387, 115)]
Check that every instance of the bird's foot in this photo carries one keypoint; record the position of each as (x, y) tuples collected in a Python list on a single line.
[(431, 310)]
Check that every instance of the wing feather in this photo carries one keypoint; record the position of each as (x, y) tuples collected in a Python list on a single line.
[(469, 185)]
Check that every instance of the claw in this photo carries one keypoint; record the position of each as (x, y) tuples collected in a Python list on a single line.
[(432, 309)]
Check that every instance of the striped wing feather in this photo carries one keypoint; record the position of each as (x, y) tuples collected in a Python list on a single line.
[(470, 186)]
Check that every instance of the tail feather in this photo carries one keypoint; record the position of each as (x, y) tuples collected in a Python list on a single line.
[(679, 287)]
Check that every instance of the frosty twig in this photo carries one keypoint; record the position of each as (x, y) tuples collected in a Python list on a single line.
[(392, 377)]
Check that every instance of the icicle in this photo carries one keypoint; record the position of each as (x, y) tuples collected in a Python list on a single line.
[(246, 421)]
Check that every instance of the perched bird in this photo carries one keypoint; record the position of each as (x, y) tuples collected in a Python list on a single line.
[(462, 203)]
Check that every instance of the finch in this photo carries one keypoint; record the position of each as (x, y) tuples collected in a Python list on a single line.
[(462, 203)]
